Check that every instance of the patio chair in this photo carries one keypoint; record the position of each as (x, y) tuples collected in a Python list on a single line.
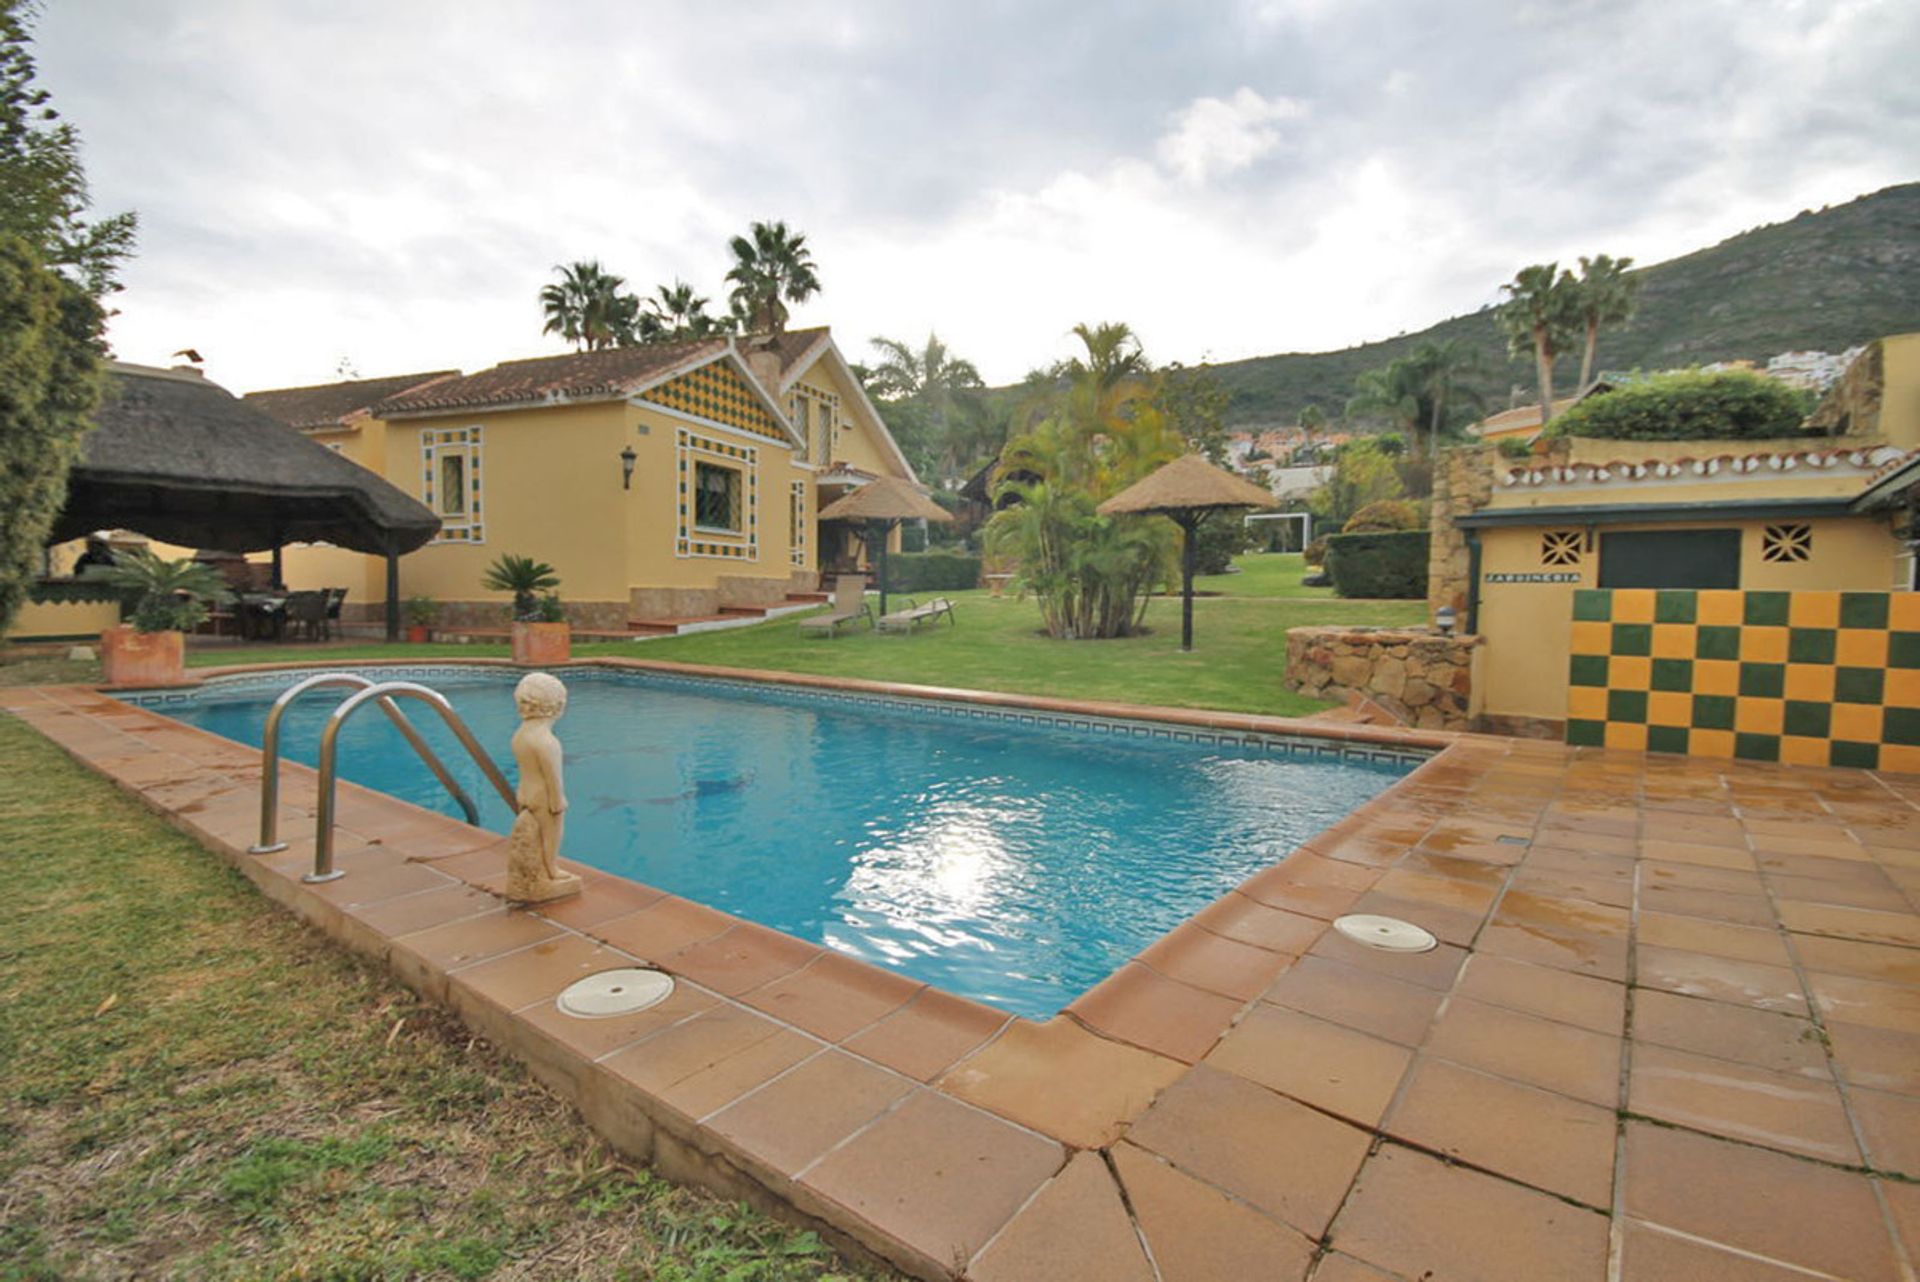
[(911, 618), (336, 597), (849, 604), (307, 611)]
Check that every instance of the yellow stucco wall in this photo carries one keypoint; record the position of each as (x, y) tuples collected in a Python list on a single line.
[(1524, 673), (1900, 397)]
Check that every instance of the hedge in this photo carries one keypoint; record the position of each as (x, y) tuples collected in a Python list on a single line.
[(1379, 566), (1690, 406), (932, 572)]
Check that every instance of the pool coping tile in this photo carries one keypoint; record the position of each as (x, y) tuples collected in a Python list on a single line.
[(851, 1095)]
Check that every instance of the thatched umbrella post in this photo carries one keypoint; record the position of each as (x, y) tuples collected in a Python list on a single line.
[(884, 503), (1185, 491)]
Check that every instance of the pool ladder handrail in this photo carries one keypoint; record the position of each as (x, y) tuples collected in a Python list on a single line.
[(323, 869), (270, 842)]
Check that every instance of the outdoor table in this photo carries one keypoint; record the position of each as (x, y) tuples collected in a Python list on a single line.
[(262, 615)]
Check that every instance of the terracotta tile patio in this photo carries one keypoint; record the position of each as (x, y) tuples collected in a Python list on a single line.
[(1673, 1030)]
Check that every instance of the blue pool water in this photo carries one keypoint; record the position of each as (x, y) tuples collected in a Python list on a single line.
[(1004, 859)]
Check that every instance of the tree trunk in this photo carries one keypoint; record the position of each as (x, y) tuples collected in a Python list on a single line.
[(1543, 367), (1586, 357)]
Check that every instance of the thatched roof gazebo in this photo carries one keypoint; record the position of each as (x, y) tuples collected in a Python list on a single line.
[(1186, 490), (178, 458), (883, 503)]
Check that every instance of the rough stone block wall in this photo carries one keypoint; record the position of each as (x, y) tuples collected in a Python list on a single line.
[(1421, 677), (1463, 483), (672, 603), (756, 593)]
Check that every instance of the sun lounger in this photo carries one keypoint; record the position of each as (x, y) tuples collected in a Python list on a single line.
[(914, 615), (849, 606)]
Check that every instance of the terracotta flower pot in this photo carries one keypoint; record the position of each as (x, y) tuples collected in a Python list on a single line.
[(133, 658), (418, 633), (539, 644)]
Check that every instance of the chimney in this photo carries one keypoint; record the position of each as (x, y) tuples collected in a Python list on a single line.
[(764, 362)]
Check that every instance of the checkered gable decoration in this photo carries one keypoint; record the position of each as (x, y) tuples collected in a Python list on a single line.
[(1808, 678)]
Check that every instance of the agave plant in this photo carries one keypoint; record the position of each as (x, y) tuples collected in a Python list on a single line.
[(169, 596), (526, 578)]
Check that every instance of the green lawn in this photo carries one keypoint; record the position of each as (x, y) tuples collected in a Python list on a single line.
[(198, 1086), (995, 644), (1264, 574)]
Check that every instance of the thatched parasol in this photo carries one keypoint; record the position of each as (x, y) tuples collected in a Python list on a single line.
[(1186, 490), (181, 459), (883, 503)]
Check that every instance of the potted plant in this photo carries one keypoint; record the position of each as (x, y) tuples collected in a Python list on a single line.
[(421, 611), (169, 599), (541, 634)]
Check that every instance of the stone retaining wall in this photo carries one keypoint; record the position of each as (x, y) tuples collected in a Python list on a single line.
[(1419, 676)]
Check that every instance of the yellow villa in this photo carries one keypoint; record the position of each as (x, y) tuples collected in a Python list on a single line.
[(668, 484)]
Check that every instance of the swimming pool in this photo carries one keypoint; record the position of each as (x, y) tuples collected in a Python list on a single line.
[(1010, 856)]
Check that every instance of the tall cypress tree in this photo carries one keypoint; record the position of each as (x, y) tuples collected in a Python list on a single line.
[(56, 267)]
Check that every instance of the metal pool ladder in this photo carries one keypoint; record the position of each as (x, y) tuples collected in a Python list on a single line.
[(365, 691)]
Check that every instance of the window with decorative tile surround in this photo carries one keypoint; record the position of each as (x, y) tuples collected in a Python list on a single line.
[(450, 482), (797, 523), (815, 414), (701, 494)]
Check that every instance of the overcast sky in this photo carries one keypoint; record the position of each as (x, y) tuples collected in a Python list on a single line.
[(391, 183)]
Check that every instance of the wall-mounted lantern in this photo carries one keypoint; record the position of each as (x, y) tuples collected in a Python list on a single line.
[(1443, 620), (627, 459)]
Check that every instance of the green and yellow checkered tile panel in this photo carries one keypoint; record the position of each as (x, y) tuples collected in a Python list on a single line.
[(1810, 678), (718, 393)]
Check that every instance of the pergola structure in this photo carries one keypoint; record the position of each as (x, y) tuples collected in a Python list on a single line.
[(178, 458)]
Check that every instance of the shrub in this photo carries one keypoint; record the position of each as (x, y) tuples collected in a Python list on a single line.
[(1514, 447), (1217, 540), (1379, 566), (932, 572), (1315, 553), (1384, 516), (1690, 406), (169, 596)]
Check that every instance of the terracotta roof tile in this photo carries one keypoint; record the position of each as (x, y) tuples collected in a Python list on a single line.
[(336, 404), (603, 375)]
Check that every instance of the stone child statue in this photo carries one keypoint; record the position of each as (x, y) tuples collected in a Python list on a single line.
[(533, 847)]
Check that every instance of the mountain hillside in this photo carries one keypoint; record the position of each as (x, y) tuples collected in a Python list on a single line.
[(1823, 281)]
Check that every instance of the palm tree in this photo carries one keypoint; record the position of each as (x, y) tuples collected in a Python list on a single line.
[(1437, 370), (524, 577), (1311, 420), (943, 389), (588, 308), (1540, 315), (1606, 298), (169, 596), (676, 312), (1391, 393), (771, 268)]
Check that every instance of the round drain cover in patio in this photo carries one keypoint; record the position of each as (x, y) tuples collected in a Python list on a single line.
[(1389, 934), (615, 992)]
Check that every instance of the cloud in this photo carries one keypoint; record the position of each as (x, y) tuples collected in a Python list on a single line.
[(1220, 135), (395, 182)]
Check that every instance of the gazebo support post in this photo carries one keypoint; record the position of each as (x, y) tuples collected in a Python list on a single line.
[(885, 529), (1189, 558), (393, 595), (279, 572)]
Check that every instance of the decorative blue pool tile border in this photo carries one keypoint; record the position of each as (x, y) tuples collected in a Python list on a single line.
[(1304, 747)]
